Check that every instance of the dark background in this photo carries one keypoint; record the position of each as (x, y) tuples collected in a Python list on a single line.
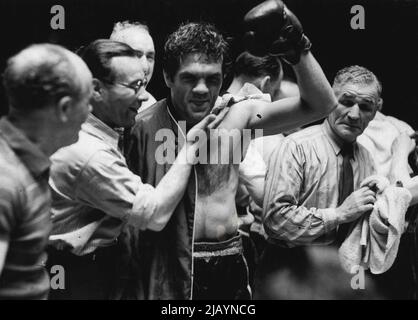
[(387, 46)]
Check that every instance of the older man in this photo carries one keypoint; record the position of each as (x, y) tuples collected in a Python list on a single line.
[(137, 36), (95, 195), (49, 89), (199, 253), (313, 179)]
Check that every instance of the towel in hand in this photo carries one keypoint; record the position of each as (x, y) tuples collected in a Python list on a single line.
[(374, 239)]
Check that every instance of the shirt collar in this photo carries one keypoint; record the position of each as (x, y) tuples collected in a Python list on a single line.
[(332, 138), (29, 153), (99, 129)]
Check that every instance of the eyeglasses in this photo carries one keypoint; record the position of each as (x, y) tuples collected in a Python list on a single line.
[(136, 87)]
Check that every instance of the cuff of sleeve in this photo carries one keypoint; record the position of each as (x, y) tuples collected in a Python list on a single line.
[(143, 207), (330, 219)]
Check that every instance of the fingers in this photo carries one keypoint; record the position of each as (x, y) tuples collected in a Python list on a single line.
[(366, 208), (370, 199), (365, 191), (205, 122), (218, 119)]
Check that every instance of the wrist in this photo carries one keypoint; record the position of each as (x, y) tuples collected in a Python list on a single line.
[(191, 152), (339, 216)]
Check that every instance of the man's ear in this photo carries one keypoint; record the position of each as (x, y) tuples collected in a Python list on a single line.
[(64, 109), (379, 104), (97, 90), (167, 79), (265, 84)]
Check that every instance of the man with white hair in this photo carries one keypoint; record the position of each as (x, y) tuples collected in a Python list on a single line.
[(49, 90), (137, 36)]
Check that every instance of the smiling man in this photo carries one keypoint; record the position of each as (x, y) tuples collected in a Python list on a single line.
[(199, 254), (313, 178), (137, 36), (94, 193)]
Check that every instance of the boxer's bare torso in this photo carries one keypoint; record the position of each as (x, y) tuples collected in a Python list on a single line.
[(216, 217)]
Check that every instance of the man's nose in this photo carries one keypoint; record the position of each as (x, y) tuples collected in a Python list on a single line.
[(145, 65), (142, 96), (201, 87), (354, 112)]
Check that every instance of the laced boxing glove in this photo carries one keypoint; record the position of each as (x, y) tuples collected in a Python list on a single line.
[(271, 28)]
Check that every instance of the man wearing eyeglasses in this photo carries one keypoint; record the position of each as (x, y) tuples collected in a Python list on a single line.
[(137, 35), (94, 194)]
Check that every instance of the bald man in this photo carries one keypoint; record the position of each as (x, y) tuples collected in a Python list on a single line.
[(137, 36), (48, 89)]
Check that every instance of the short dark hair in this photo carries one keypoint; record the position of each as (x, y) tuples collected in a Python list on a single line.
[(97, 56), (254, 67), (193, 37), (357, 74), (38, 76)]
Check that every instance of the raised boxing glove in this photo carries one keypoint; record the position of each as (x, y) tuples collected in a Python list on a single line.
[(271, 28)]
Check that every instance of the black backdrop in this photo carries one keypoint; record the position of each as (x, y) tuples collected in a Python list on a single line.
[(387, 46)]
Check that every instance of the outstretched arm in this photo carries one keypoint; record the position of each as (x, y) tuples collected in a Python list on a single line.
[(271, 28), (316, 101)]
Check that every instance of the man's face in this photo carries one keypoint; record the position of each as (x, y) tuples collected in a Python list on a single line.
[(141, 41), (121, 99), (195, 87), (357, 106)]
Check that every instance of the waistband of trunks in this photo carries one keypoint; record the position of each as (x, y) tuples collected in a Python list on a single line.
[(230, 247)]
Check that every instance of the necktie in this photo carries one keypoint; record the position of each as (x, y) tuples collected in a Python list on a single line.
[(345, 187)]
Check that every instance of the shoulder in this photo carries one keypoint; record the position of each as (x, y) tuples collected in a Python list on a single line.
[(307, 135), (151, 117), (14, 174), (152, 111), (69, 161)]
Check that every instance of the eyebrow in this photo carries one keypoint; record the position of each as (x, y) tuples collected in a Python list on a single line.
[(190, 74), (349, 95)]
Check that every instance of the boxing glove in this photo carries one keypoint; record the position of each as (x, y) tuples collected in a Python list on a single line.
[(271, 28)]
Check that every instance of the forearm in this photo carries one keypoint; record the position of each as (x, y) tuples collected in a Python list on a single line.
[(152, 207), (170, 190), (399, 170), (298, 225), (314, 87)]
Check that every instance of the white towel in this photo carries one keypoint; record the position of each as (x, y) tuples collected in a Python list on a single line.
[(374, 240)]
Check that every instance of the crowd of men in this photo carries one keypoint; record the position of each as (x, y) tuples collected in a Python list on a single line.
[(200, 194)]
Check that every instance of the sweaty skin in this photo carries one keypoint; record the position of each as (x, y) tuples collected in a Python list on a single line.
[(215, 211), (194, 90)]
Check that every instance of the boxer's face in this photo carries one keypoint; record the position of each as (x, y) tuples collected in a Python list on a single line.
[(357, 106), (124, 95), (195, 87)]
